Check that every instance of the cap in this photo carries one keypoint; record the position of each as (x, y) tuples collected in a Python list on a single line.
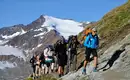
[(94, 29)]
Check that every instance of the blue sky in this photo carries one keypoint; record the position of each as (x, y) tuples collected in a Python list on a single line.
[(25, 11)]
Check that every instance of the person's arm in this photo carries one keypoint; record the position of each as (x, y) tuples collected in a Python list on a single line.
[(46, 52), (31, 60), (97, 41)]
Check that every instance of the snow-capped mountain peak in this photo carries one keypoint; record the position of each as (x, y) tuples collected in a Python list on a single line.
[(63, 26)]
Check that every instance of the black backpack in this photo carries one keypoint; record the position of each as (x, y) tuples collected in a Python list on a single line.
[(73, 42)]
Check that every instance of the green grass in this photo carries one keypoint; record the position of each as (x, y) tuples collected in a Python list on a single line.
[(43, 77), (29, 78), (114, 21)]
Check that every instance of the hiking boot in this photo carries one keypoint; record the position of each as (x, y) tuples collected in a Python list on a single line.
[(84, 71), (94, 69)]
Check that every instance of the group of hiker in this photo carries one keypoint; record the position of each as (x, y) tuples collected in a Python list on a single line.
[(64, 53)]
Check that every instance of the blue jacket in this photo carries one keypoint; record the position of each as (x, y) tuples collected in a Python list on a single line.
[(91, 41)]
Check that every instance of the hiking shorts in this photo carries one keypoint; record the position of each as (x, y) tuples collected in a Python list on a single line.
[(62, 60), (90, 51)]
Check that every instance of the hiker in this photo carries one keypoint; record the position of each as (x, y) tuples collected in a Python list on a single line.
[(33, 63), (38, 68), (91, 43), (42, 64), (56, 54), (49, 59), (60, 49), (72, 52)]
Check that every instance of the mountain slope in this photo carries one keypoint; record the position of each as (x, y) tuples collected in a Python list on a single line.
[(115, 25), (38, 32)]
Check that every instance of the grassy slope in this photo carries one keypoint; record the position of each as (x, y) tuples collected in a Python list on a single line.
[(44, 77), (114, 21), (114, 26)]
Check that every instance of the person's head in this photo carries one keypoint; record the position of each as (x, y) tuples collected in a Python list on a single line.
[(94, 31), (37, 57), (74, 37), (58, 42)]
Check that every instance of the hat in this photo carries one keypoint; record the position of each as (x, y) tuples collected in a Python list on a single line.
[(94, 29)]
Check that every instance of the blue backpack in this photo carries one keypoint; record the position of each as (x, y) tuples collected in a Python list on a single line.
[(91, 41)]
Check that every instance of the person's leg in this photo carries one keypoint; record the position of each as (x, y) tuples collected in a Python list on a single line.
[(59, 71), (43, 69), (34, 68), (48, 65), (62, 70), (85, 64), (74, 60), (68, 62), (46, 69), (95, 61), (52, 67), (94, 52), (87, 52), (39, 71), (36, 71)]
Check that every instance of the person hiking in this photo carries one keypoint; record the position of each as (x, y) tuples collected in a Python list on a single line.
[(56, 45), (38, 68), (33, 63), (42, 64), (91, 43), (60, 49), (72, 53), (49, 59)]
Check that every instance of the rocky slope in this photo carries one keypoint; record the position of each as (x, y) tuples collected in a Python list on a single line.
[(113, 64), (114, 50)]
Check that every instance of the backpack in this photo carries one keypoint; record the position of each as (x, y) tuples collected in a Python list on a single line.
[(86, 32), (73, 42), (48, 55), (91, 41)]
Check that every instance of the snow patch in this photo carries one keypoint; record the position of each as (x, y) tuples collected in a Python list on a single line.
[(40, 29), (39, 45), (23, 32), (9, 50), (40, 34), (10, 36), (5, 64), (13, 35), (64, 27)]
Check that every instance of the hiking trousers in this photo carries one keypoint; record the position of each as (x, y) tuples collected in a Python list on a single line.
[(72, 60), (38, 70)]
